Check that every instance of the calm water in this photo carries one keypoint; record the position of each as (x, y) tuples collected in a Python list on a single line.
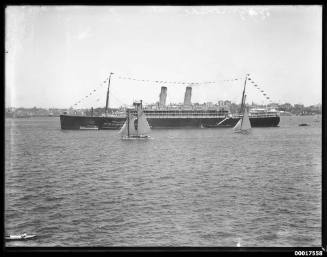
[(194, 187)]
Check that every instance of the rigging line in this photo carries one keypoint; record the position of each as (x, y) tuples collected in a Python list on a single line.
[(91, 93), (122, 102)]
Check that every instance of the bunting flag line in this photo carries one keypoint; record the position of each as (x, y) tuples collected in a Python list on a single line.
[(177, 82), (102, 84), (260, 90)]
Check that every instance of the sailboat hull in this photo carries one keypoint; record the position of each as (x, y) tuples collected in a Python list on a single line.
[(244, 132), (136, 137)]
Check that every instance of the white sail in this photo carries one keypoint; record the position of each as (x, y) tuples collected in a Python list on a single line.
[(238, 125), (136, 126), (142, 124), (123, 130), (132, 130), (246, 125), (243, 124)]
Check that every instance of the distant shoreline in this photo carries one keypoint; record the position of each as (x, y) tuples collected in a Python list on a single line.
[(29, 117)]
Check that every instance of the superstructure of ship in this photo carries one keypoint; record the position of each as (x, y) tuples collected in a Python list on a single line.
[(160, 116)]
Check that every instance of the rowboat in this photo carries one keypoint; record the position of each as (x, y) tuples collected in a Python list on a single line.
[(19, 237)]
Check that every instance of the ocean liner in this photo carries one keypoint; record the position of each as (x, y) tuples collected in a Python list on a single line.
[(161, 115)]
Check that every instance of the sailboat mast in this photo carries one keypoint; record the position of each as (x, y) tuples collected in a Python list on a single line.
[(243, 113), (139, 111), (128, 123), (243, 100), (107, 100), (138, 120)]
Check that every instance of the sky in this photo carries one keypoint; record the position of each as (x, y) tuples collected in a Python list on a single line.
[(58, 55)]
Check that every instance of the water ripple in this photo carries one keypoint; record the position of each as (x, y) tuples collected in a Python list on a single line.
[(190, 187)]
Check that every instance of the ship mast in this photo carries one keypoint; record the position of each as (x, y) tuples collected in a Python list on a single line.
[(107, 100)]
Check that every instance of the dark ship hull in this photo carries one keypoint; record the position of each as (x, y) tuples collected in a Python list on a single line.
[(83, 122), (73, 122), (264, 122), (255, 122)]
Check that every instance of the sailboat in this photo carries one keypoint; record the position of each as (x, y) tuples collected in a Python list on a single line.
[(243, 125), (135, 127)]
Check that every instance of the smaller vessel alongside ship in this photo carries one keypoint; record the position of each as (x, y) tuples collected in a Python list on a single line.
[(90, 126)]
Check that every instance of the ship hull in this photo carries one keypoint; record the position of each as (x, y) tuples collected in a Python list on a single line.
[(265, 122), (72, 122), (162, 123), (255, 122)]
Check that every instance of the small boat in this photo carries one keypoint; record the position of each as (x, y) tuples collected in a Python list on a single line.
[(243, 126), (89, 127), (135, 127), (19, 237), (303, 124), (317, 119)]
